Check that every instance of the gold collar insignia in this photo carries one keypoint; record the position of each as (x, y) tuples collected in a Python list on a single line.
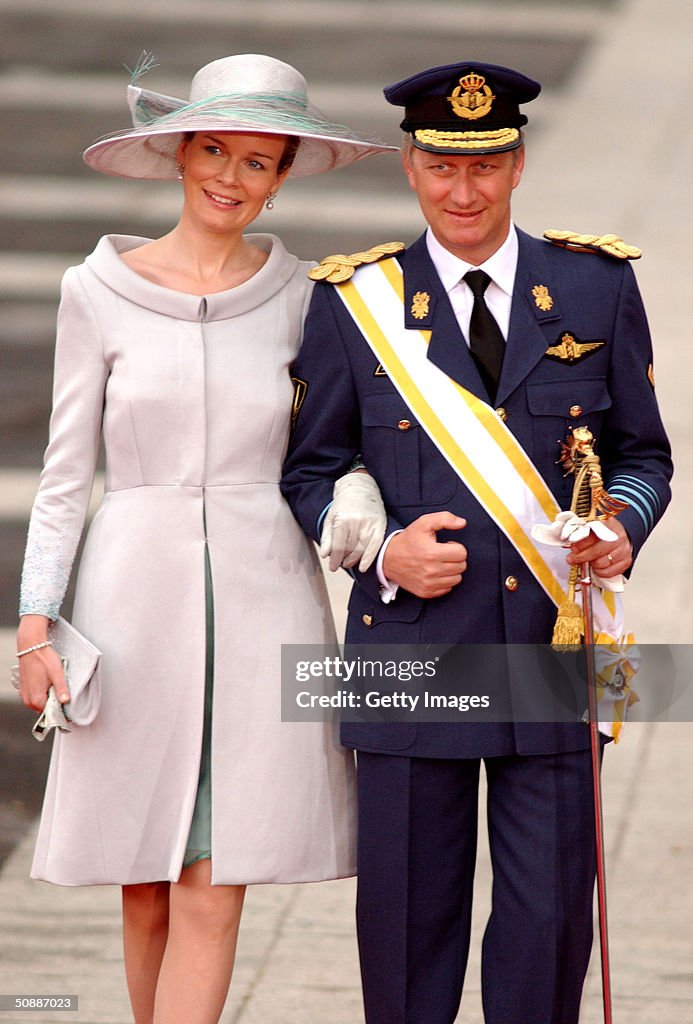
[(419, 305), (542, 298), (570, 349)]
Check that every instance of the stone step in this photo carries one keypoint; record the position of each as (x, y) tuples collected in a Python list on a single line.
[(50, 218), (358, 15), (54, 117), (348, 35)]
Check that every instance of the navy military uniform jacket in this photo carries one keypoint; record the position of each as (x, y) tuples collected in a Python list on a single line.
[(349, 406)]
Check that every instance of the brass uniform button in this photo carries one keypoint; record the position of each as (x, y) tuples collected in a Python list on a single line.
[(575, 411), (511, 583), (367, 619), (404, 425), (502, 413)]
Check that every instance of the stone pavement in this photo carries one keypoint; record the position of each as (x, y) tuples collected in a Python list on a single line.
[(612, 154), (297, 961)]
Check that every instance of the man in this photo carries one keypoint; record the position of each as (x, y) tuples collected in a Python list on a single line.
[(393, 366)]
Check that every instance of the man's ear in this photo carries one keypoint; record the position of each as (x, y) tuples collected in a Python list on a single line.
[(408, 168), (519, 155)]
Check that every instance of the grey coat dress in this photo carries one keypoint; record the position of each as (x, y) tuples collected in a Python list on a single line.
[(192, 397)]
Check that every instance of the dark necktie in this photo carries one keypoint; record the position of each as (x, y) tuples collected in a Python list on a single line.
[(486, 341)]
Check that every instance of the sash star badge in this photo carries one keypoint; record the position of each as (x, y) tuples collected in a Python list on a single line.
[(570, 349), (419, 305), (542, 298)]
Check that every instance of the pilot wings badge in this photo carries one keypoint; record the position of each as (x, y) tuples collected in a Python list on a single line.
[(570, 349)]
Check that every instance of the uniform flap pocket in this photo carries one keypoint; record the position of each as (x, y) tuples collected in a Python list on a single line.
[(387, 410), (563, 398)]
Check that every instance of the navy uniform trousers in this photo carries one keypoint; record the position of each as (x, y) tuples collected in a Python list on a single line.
[(418, 782), (415, 938)]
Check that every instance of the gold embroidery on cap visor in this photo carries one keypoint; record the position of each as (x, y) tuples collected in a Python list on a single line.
[(475, 101), (496, 139)]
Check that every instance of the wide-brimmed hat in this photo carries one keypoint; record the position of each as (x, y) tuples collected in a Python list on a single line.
[(248, 93), (464, 109)]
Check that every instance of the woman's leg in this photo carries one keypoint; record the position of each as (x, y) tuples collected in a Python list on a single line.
[(198, 960), (145, 931)]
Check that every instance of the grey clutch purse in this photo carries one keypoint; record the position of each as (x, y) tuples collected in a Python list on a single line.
[(80, 660)]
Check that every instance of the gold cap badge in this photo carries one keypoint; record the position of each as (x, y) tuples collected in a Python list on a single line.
[(419, 305), (472, 98)]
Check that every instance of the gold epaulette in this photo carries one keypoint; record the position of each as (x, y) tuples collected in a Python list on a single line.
[(339, 268), (612, 245)]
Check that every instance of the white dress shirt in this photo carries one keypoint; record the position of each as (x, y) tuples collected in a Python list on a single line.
[(501, 267)]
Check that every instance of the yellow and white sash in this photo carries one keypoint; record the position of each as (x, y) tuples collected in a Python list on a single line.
[(475, 442)]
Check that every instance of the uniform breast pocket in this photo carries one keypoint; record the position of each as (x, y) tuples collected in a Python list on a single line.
[(397, 451), (555, 407)]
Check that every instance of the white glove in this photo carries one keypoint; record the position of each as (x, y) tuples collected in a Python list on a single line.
[(355, 523), (568, 528)]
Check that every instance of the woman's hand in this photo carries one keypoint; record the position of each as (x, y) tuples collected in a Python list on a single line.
[(41, 669), (355, 523)]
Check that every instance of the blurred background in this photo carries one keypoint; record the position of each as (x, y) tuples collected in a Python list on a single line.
[(609, 150)]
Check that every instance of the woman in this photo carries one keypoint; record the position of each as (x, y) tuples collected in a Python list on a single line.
[(176, 351)]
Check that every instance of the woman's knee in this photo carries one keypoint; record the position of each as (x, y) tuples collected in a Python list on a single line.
[(207, 907), (147, 902)]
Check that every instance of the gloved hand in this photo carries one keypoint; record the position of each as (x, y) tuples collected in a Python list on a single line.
[(355, 523), (568, 528)]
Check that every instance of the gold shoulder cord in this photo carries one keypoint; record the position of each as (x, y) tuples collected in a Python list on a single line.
[(611, 245), (339, 268)]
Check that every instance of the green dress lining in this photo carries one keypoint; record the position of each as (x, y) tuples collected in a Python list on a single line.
[(199, 845)]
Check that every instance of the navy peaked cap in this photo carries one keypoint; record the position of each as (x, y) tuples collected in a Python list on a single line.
[(471, 107)]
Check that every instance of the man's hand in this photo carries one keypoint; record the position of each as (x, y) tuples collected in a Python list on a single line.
[(416, 561), (607, 557)]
